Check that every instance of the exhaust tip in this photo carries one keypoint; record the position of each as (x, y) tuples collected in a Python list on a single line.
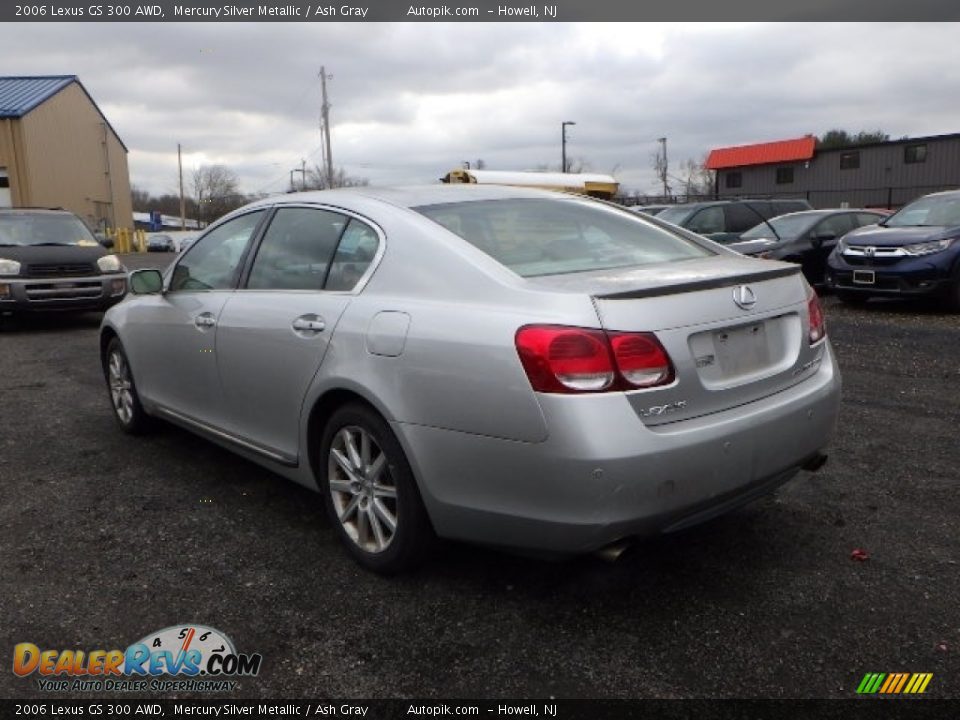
[(816, 462), (612, 552)]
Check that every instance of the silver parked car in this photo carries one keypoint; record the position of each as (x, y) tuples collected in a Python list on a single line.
[(499, 365)]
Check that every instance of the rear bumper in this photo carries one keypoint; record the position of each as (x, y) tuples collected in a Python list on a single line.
[(61, 293), (602, 475)]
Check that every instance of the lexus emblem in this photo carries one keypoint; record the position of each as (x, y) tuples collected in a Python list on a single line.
[(870, 251), (744, 297)]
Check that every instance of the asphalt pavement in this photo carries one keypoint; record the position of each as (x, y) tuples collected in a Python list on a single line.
[(852, 570)]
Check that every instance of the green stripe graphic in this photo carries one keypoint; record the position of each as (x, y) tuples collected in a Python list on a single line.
[(862, 688), (877, 683)]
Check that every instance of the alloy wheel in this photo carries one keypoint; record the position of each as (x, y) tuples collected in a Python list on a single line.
[(364, 494), (121, 387)]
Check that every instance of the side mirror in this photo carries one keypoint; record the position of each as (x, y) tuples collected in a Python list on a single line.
[(146, 282)]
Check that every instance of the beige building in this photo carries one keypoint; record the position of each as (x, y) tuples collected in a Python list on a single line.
[(58, 150)]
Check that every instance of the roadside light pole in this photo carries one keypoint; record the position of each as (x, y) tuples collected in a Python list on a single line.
[(563, 144)]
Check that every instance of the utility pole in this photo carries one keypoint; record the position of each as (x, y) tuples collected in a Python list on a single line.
[(183, 207), (325, 125), (662, 166), (303, 174), (563, 144)]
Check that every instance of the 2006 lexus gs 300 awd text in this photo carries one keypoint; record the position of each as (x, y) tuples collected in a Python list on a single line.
[(498, 365)]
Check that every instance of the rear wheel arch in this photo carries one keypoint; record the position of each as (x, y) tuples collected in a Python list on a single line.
[(323, 409)]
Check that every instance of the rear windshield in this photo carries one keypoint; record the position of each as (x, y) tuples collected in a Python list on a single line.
[(549, 237), (786, 226), (18, 229)]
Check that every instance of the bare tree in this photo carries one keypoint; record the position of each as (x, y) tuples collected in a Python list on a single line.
[(316, 179), (216, 191), (141, 199), (695, 178)]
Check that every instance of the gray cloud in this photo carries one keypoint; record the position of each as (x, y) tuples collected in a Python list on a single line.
[(412, 100)]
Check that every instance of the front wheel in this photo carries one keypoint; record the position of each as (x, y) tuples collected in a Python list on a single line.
[(123, 391), (370, 493)]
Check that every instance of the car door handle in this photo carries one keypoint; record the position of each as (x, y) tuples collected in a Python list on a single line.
[(204, 320), (309, 324)]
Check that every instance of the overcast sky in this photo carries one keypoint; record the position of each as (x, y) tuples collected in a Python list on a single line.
[(411, 101)]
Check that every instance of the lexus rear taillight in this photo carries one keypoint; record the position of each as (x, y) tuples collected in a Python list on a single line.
[(818, 326), (560, 359)]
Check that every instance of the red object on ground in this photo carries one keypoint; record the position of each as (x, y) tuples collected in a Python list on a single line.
[(860, 555)]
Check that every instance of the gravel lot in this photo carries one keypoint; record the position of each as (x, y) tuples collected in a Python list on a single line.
[(107, 538)]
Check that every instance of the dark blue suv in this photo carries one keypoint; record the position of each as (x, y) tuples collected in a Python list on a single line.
[(915, 251)]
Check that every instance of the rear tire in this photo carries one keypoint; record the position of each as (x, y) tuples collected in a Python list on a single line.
[(370, 492), (123, 391)]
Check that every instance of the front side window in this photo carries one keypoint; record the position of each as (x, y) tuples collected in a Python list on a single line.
[(213, 262), (868, 219), (296, 250), (835, 226), (547, 237)]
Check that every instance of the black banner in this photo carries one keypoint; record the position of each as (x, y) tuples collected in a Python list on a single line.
[(855, 709), (476, 11)]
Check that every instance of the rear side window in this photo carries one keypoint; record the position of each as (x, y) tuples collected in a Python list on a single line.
[(296, 250), (547, 237), (354, 255)]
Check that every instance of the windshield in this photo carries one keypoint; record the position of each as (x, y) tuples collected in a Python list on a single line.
[(549, 237), (676, 215), (787, 226), (934, 210), (21, 229)]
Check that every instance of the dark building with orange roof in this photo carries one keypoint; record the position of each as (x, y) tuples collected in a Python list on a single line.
[(883, 174)]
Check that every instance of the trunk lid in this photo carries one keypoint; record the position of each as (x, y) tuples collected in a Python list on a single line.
[(736, 329)]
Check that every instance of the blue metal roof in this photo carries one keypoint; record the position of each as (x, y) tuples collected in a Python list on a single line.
[(20, 95)]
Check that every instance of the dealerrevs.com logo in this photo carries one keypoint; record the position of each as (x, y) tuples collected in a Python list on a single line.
[(181, 658)]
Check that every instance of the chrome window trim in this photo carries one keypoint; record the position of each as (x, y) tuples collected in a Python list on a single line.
[(374, 263)]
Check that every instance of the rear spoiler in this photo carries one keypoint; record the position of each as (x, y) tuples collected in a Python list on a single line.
[(706, 284)]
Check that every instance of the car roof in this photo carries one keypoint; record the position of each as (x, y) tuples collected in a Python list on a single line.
[(412, 196), (828, 211)]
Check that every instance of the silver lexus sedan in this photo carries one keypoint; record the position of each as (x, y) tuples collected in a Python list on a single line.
[(498, 365)]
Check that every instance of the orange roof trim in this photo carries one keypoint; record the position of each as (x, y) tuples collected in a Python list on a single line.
[(762, 153)]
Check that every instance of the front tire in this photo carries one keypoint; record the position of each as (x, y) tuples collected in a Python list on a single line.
[(370, 492), (123, 391)]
